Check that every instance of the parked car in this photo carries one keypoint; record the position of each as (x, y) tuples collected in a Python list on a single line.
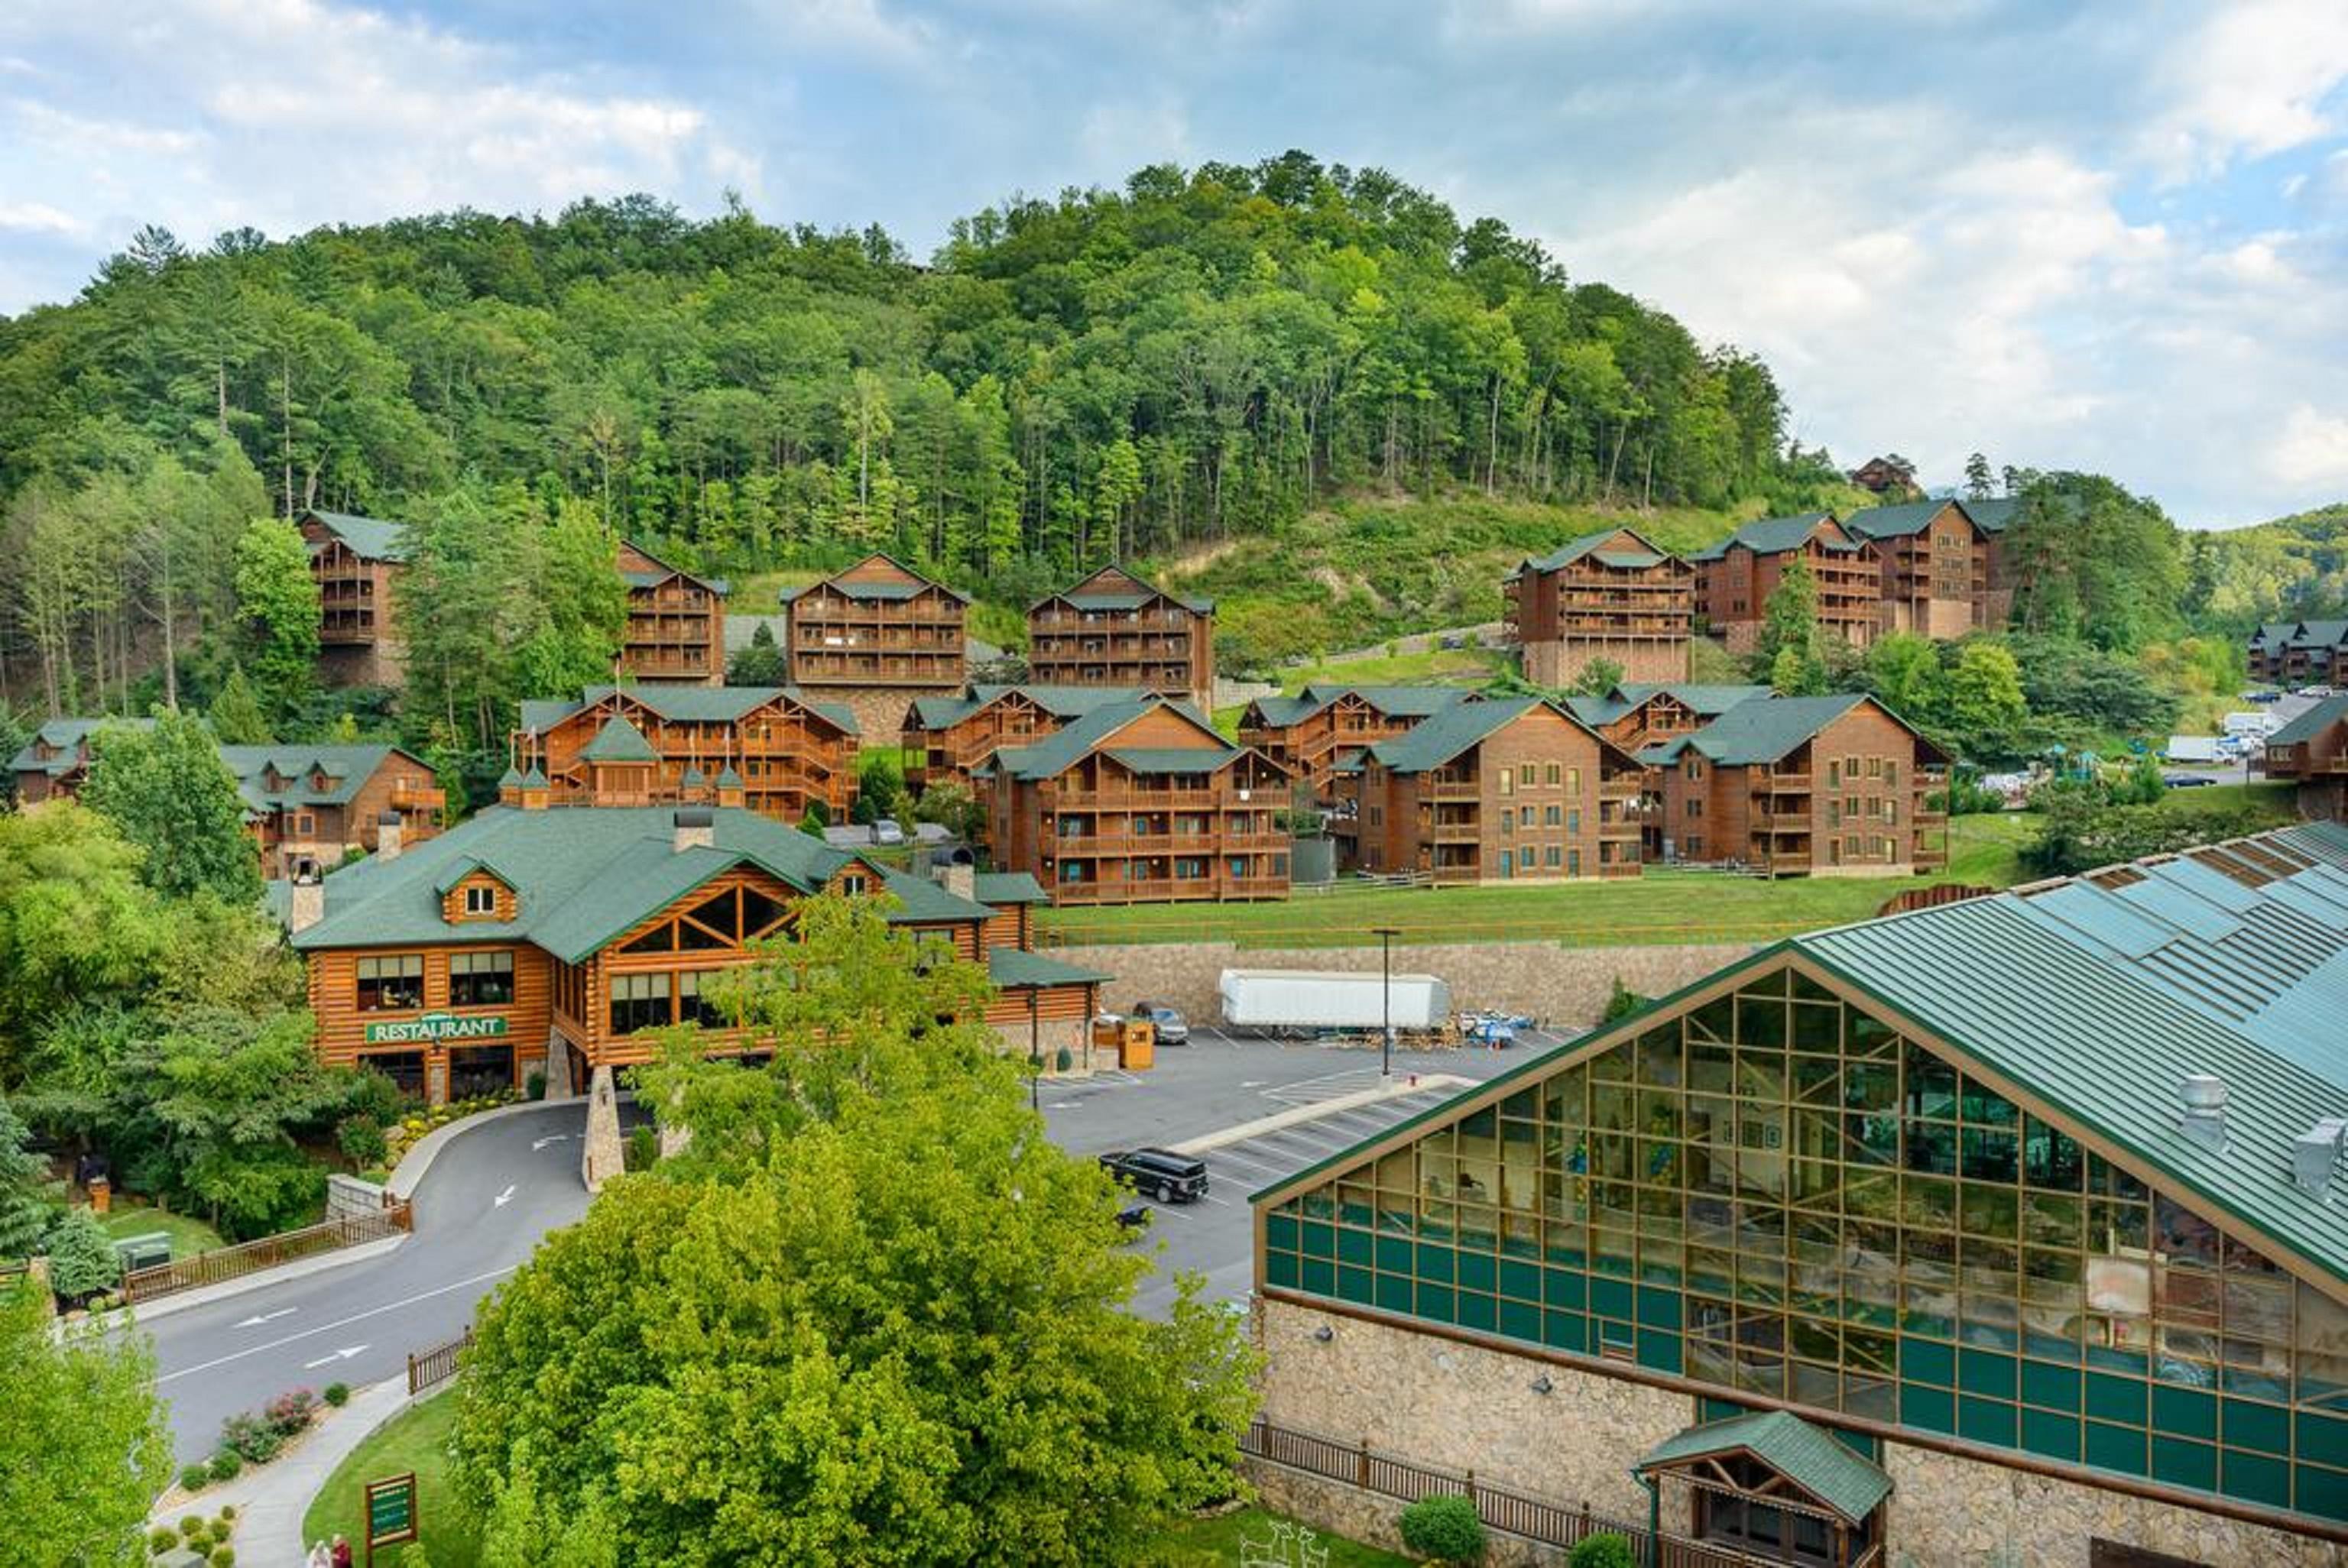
[(1172, 1029), (2187, 781), (1134, 1215), (1161, 1173), (885, 831), (2261, 696), (2315, 691)]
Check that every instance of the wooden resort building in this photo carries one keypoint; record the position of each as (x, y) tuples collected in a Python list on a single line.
[(1512, 789), (1637, 714), (1803, 786), (949, 740), (2009, 1231), (1114, 629), (876, 636), (676, 621), (2312, 752), (1735, 578), (1610, 595), (1935, 565), (2301, 653), (1328, 723), (356, 562), (1139, 801), (773, 750), (548, 938)]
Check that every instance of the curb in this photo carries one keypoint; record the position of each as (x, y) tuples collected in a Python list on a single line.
[(1408, 1084), (410, 1173), (205, 1295), (271, 1499)]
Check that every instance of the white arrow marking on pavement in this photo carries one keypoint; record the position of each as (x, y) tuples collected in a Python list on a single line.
[(399, 1306), (259, 1318), (503, 1197), (537, 1143), (1255, 1083), (343, 1355)]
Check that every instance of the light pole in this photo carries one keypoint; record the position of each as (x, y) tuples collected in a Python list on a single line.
[(1386, 936), (1035, 1053)]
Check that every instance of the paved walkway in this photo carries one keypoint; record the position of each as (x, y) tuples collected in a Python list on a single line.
[(270, 1499)]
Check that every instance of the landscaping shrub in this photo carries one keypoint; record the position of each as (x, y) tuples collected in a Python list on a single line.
[(361, 1141), (1605, 1549), (201, 1542), (225, 1465), (228, 1512), (338, 1394), (192, 1526), (194, 1477), (291, 1412), (1444, 1527), (642, 1151), (249, 1436), (162, 1538), (534, 1086), (82, 1259), (224, 1556)]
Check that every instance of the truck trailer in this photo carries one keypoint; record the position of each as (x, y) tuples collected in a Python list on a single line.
[(1325, 999)]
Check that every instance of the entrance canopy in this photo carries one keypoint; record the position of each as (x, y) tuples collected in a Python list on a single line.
[(1813, 1462)]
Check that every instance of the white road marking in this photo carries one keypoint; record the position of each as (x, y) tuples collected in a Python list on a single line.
[(1061, 1105), (537, 1143), (258, 1318), (503, 1198), (1224, 1155), (329, 1328), (342, 1354)]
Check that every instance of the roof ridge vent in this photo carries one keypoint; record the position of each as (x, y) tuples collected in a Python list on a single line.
[(2315, 1156), (2201, 1097)]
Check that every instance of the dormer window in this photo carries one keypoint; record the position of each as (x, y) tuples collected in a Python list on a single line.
[(480, 901), (853, 884)]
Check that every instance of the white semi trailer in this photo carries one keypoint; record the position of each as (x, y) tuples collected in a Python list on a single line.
[(1323, 999)]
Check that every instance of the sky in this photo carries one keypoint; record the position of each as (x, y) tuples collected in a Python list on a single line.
[(2109, 236)]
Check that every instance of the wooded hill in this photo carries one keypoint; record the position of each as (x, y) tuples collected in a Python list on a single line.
[(2285, 569), (1203, 355)]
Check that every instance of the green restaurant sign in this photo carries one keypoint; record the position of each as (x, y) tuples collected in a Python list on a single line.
[(433, 1028)]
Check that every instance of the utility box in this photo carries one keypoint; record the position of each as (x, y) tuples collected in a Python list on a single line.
[(144, 1251)]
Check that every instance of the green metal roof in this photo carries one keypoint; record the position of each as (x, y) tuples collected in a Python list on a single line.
[(1435, 741), (372, 538), (1176, 758), (2313, 722), (717, 585), (685, 704), (1394, 702), (619, 742), (1776, 536), (993, 887), (346, 769), (2317, 633), (1014, 968), (1135, 598), (896, 592), (1809, 1456), (1055, 753), (1596, 710), (1629, 559), (1755, 733), (1994, 515), (67, 735), (1573, 549), (1060, 702), (1695, 696), (1896, 522)]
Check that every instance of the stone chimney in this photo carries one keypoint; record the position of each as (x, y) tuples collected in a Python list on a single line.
[(387, 829), (695, 829), (309, 905), (959, 878)]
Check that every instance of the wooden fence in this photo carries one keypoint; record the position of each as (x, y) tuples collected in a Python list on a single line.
[(394, 1219), (430, 1368), (1501, 1508)]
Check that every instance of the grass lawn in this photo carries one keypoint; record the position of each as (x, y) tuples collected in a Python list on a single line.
[(1215, 1543), (1658, 906), (188, 1236), (756, 594), (1451, 666), (416, 1439)]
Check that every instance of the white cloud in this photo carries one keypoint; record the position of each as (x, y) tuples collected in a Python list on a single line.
[(2252, 79), (2312, 450), (40, 217)]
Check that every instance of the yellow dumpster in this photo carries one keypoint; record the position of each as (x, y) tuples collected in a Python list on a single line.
[(1136, 1047)]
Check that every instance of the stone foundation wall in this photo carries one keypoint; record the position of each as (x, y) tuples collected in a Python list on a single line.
[(1560, 663), (1050, 1035), (1540, 980), (879, 710), (1371, 1517)]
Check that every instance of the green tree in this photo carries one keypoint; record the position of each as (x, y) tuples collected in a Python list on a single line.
[(277, 604), (85, 1448), (871, 1313), (235, 712), (761, 664), (1598, 677), (1790, 650), (76, 925), (1985, 701), (82, 1259), (29, 1194), (167, 792), (1979, 486), (231, 1098), (1903, 669)]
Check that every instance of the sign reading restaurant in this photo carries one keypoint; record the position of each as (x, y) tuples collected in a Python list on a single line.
[(434, 1027)]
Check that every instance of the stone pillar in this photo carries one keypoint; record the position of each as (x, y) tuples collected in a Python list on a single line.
[(436, 1076), (603, 1156), (558, 1067)]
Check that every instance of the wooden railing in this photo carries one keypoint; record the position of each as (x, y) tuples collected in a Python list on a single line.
[(394, 1219), (430, 1368), (1520, 1514)]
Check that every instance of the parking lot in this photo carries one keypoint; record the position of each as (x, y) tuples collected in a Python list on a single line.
[(1201, 1092)]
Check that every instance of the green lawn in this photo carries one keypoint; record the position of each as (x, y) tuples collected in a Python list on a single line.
[(416, 1439), (1453, 666), (1655, 907), (188, 1236)]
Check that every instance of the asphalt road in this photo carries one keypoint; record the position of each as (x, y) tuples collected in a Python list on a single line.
[(488, 1198)]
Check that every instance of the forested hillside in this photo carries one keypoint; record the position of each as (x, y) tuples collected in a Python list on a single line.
[(1203, 356), (2293, 566)]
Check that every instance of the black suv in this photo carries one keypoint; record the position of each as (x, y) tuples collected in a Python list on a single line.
[(1169, 1177)]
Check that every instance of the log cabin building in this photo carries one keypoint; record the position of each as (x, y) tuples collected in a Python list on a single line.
[(307, 806), (357, 563), (1512, 789), (1312, 733), (1637, 714), (676, 621), (1610, 595), (1139, 801), (2299, 653), (1114, 629), (1934, 560), (773, 750), (1995, 516), (548, 938), (2006, 1230), (876, 636), (1805, 786), (1735, 578), (2312, 752), (949, 740)]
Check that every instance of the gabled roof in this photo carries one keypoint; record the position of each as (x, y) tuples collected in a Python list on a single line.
[(370, 538), (1060, 702), (1085, 597), (1176, 758), (1776, 536), (685, 704), (1994, 515), (993, 887), (2319, 633), (1435, 740), (1394, 702), (1646, 553), (1697, 697), (1057, 753), (2276, 632), (1896, 522), (347, 768), (2311, 723), (1809, 1456), (634, 578), (618, 742), (67, 735), (880, 591), (1015, 969), (1755, 734), (580, 876)]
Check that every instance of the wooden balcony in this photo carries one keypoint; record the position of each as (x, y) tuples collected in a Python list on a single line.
[(417, 797), (1781, 784)]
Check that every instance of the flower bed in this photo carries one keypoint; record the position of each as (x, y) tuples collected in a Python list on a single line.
[(402, 1135)]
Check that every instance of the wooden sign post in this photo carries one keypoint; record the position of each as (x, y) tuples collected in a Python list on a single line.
[(391, 1514)]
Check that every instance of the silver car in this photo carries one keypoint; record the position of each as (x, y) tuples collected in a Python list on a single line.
[(1171, 1028)]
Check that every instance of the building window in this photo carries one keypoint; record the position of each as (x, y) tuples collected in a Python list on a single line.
[(1834, 773), (1525, 772), (1508, 822), (639, 1001), (1573, 779), (693, 1006), (480, 979), (392, 984), (480, 901), (1552, 815), (1554, 855), (1377, 816), (1507, 781), (1552, 773), (1573, 820), (853, 884), (1525, 815)]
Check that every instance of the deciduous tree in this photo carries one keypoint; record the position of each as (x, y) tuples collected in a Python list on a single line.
[(167, 792), (84, 1450)]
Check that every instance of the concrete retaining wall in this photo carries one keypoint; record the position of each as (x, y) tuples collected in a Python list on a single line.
[(1562, 985), (347, 1195)]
